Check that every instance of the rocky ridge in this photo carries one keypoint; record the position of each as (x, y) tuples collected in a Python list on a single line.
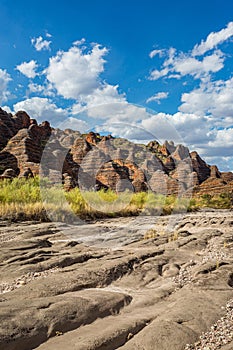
[(92, 161)]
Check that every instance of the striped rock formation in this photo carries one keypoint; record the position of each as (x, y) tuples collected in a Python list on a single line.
[(92, 161)]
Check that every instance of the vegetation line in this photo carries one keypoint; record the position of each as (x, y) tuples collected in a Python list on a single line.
[(37, 199)]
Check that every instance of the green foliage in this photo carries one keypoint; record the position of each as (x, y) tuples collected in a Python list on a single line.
[(20, 190), (139, 199), (221, 201), (193, 205), (206, 199), (33, 197)]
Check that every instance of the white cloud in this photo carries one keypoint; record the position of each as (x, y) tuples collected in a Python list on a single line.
[(105, 94), (157, 97), (156, 74), (182, 128), (183, 64), (75, 71), (42, 109), (222, 162), (162, 129), (194, 129), (205, 120), (36, 88), (180, 64), (134, 132), (4, 80), (223, 139), (74, 124), (46, 89), (28, 68), (153, 53), (196, 68), (213, 98), (113, 112), (101, 102), (213, 39), (118, 112), (40, 43), (79, 42), (7, 109)]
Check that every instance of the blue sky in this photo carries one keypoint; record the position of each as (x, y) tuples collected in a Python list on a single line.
[(138, 69)]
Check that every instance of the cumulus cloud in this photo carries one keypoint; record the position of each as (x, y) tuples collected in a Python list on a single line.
[(134, 132), (187, 129), (4, 80), (113, 112), (102, 103), (196, 68), (223, 139), (179, 64), (42, 109), (74, 124), (76, 71), (46, 89), (183, 64), (213, 40), (28, 68), (213, 98), (158, 97), (40, 43), (36, 88), (197, 132), (118, 112), (103, 95)]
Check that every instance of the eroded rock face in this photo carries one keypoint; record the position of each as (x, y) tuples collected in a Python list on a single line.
[(10, 125), (200, 167), (93, 161), (26, 146)]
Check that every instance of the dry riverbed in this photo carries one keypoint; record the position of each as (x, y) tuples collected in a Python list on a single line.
[(142, 283)]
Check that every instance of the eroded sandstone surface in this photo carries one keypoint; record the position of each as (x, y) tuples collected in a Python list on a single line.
[(148, 283)]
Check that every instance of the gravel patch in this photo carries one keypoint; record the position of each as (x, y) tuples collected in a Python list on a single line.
[(215, 251), (25, 279), (220, 334), (4, 237)]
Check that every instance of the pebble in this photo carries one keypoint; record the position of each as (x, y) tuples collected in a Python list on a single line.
[(221, 333), (213, 252), (25, 279)]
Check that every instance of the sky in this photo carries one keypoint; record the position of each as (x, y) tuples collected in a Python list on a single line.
[(141, 70)]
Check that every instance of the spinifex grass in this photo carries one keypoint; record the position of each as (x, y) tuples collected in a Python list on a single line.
[(39, 199)]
